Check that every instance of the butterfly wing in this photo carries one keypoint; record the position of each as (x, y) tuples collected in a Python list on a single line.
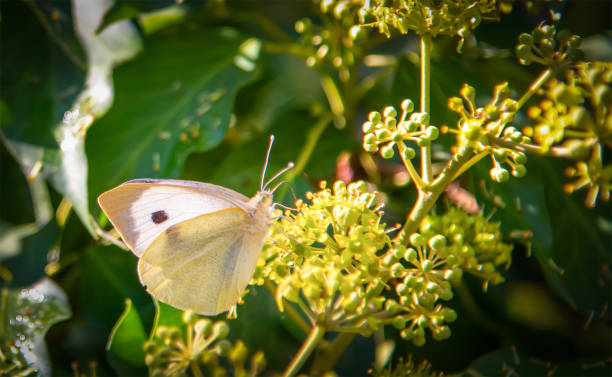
[(142, 209), (203, 264)]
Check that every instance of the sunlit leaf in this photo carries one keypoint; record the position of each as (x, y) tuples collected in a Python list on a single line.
[(26, 314), (174, 99), (126, 340)]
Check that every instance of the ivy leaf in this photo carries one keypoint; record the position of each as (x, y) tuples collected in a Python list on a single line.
[(508, 361), (52, 103), (126, 341), (26, 314), (173, 100)]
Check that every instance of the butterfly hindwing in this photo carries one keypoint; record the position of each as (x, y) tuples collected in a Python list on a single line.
[(200, 264), (140, 210)]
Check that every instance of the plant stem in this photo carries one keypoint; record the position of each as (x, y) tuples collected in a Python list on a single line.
[(537, 84), (426, 171), (329, 358), (290, 310), (426, 200), (315, 336)]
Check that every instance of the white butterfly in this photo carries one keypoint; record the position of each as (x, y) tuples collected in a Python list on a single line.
[(198, 243)]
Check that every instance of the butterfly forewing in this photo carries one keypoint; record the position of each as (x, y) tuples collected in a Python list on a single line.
[(142, 209), (199, 264)]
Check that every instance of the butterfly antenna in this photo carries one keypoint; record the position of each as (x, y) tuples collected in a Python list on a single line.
[(283, 170), (263, 173)]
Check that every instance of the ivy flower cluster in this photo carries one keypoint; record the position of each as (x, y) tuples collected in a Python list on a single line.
[(170, 352), (575, 118), (547, 47), (337, 41), (384, 131), (334, 260), (433, 17), (407, 368), (485, 130)]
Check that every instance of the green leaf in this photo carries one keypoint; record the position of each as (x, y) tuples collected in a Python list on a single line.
[(52, 103), (155, 13), (176, 98), (505, 362), (166, 315), (126, 341), (26, 314), (109, 277)]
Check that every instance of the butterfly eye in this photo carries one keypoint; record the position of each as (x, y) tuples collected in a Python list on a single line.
[(159, 217)]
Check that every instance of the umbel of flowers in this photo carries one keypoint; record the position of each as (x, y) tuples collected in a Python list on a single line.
[(333, 259)]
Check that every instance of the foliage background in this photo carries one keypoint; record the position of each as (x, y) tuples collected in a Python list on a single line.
[(164, 97)]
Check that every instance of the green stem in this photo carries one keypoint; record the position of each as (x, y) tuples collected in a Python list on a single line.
[(537, 84), (315, 336), (426, 200), (335, 350), (290, 310), (336, 104), (426, 171), (195, 369)]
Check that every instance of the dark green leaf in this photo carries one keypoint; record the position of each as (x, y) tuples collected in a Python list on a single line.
[(126, 341), (507, 362)]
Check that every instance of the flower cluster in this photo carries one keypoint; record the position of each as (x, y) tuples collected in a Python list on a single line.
[(171, 352), (334, 260), (407, 368), (547, 47), (338, 41), (384, 131), (485, 129), (433, 17), (575, 118)]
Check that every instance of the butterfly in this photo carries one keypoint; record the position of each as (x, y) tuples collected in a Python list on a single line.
[(197, 243)]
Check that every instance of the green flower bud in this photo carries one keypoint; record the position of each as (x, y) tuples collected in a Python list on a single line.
[(410, 281), (396, 137), (441, 333), (449, 315), (399, 322), (370, 148), (223, 347), (402, 289), (238, 353), (499, 174), (410, 255), (397, 270), (519, 171), (411, 125), (455, 104), (382, 134), (422, 321), (519, 158), (390, 122), (161, 332), (427, 265), (355, 32), (437, 242), (149, 347), (407, 106), (368, 127), (406, 334), (389, 112), (432, 287), (423, 142), (374, 117), (525, 39), (391, 306), (468, 92), (203, 327), (432, 132), (417, 240), (445, 294), (189, 317), (351, 302), (386, 151), (220, 329), (408, 153), (453, 275)]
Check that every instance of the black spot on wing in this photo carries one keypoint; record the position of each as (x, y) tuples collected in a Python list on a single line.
[(159, 217)]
